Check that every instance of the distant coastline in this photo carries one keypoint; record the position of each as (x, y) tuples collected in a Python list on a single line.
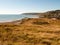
[(30, 13), (48, 14)]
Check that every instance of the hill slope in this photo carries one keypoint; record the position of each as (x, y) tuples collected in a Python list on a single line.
[(48, 14), (52, 14), (31, 31)]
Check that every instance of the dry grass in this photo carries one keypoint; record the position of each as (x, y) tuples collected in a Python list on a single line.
[(47, 32)]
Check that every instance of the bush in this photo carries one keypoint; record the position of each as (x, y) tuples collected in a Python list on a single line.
[(40, 23), (47, 43), (8, 29)]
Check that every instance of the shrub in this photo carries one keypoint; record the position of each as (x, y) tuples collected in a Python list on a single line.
[(40, 23), (46, 42), (8, 29)]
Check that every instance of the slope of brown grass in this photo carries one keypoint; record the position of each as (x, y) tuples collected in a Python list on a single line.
[(34, 31)]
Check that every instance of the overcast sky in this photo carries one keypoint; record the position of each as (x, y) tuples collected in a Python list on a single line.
[(21, 6)]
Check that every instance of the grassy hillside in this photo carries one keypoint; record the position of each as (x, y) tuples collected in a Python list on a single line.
[(31, 31)]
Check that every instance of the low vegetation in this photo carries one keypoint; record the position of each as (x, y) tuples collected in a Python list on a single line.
[(40, 23), (33, 31)]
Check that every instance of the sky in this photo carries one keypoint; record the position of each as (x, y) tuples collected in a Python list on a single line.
[(22, 6)]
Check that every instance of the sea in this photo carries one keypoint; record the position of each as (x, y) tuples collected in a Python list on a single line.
[(14, 17)]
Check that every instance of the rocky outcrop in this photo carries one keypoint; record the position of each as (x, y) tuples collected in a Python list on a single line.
[(51, 14)]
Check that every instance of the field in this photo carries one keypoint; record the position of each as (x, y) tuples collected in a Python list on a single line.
[(31, 31)]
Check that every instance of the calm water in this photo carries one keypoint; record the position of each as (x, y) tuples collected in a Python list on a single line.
[(8, 18)]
